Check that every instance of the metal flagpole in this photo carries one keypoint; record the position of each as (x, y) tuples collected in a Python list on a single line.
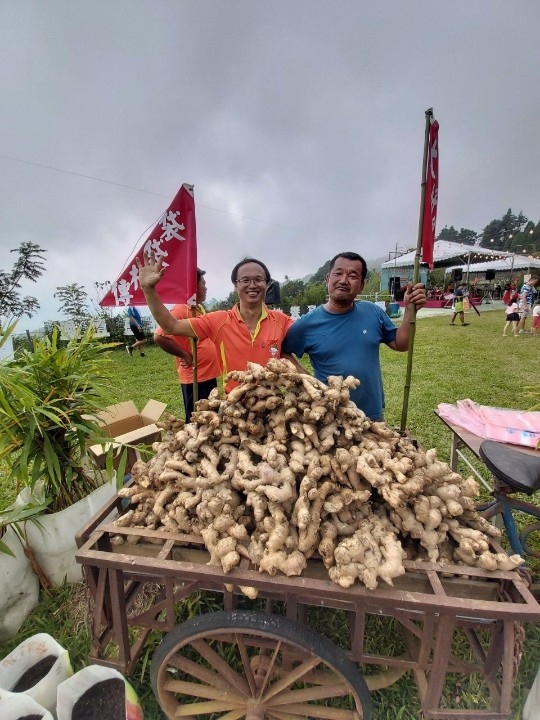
[(416, 275)]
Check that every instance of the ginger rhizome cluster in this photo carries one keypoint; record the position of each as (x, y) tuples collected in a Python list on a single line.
[(285, 467)]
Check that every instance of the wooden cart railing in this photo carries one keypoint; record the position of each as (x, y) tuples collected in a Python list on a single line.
[(431, 605)]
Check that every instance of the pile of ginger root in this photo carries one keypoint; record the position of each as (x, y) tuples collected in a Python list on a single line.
[(285, 467)]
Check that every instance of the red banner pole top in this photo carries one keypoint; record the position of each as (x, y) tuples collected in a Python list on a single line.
[(431, 194), (173, 239)]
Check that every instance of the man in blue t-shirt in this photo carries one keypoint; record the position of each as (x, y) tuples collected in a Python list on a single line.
[(526, 297), (343, 336)]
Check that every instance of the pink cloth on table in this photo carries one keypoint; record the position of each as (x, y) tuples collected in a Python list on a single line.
[(517, 427)]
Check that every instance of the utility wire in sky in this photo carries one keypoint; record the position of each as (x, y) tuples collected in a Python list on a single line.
[(150, 192), (77, 174)]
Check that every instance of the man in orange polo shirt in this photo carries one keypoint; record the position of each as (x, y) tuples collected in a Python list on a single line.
[(250, 332), (208, 367)]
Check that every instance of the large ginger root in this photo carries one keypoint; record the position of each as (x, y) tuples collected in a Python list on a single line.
[(285, 467), (373, 551)]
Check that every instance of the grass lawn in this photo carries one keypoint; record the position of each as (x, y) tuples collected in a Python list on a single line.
[(450, 363)]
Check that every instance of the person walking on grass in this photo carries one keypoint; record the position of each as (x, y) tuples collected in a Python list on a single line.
[(512, 315), (135, 325), (526, 300), (459, 296)]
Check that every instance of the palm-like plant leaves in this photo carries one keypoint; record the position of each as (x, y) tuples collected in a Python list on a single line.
[(49, 398), (19, 514)]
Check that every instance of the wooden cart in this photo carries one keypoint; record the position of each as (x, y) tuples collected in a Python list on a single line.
[(245, 664)]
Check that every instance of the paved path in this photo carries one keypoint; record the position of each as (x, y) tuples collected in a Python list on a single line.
[(432, 312)]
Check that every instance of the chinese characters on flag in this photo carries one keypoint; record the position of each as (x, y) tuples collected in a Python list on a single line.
[(431, 195), (174, 240)]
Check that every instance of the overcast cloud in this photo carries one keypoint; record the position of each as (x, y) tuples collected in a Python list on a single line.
[(299, 122)]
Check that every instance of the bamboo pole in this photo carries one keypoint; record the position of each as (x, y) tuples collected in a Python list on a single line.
[(195, 363), (416, 275)]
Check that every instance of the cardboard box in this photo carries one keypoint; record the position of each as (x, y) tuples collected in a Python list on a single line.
[(128, 426)]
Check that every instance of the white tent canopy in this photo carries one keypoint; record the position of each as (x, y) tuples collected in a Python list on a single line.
[(519, 263), (446, 254), (470, 259)]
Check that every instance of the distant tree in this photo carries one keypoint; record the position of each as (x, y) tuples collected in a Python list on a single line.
[(507, 233), (464, 236), (448, 233), (527, 241), (511, 222), (226, 304), (100, 290), (315, 294), (73, 302), (28, 266), (467, 237), (436, 278), (292, 292), (522, 219), (493, 235), (373, 282)]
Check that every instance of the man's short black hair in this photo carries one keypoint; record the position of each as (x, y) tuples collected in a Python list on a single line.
[(245, 261), (200, 273), (349, 256)]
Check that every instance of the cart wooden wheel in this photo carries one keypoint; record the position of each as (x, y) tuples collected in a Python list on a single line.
[(232, 665)]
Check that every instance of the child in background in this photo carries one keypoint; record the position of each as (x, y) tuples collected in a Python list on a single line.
[(512, 315), (535, 318)]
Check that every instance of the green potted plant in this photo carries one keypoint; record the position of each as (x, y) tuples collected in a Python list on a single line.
[(49, 399)]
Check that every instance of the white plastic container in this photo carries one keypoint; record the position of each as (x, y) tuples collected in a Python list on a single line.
[(531, 709), (72, 689), (19, 587), (25, 656), (53, 540), (15, 707)]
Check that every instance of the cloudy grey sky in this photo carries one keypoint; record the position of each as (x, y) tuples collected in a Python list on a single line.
[(299, 122)]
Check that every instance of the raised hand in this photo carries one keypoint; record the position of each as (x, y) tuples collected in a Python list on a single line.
[(150, 271)]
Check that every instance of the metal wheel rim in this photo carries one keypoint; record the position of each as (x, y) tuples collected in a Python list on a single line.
[(274, 678), (531, 528)]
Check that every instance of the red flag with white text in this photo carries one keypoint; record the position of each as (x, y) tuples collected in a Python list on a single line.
[(173, 240), (431, 195)]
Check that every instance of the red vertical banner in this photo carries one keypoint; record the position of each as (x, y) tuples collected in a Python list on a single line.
[(174, 240), (431, 195)]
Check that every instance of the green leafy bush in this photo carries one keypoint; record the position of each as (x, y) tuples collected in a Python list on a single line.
[(48, 403)]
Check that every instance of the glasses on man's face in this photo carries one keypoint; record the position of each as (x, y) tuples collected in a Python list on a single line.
[(352, 275), (246, 281)]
